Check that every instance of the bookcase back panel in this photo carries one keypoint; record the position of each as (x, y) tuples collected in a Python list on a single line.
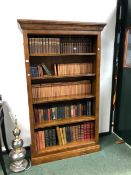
[(63, 59)]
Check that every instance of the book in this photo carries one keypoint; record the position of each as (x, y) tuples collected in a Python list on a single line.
[(62, 136), (46, 69), (34, 71), (40, 71), (59, 135)]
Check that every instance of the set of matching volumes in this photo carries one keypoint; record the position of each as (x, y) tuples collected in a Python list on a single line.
[(45, 45), (62, 111), (73, 69), (61, 69), (65, 134), (46, 138), (61, 89)]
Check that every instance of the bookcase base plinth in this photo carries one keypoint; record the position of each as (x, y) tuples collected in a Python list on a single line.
[(63, 155)]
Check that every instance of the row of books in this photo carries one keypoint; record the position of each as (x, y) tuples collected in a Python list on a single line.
[(62, 111), (46, 138), (65, 134), (76, 132), (39, 70), (52, 45), (44, 45), (61, 89), (72, 69), (76, 45), (61, 69)]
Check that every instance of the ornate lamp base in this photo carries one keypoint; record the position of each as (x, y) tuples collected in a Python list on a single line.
[(17, 154), (18, 166)]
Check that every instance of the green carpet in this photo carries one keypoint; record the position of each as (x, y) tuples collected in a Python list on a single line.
[(113, 159)]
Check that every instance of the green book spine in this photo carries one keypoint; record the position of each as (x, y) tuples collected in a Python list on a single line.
[(46, 69)]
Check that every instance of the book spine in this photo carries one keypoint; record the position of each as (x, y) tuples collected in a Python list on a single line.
[(46, 69)]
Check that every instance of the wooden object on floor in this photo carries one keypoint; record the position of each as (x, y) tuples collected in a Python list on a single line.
[(62, 61), (120, 141)]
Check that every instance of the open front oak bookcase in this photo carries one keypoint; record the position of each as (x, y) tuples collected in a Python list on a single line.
[(62, 61)]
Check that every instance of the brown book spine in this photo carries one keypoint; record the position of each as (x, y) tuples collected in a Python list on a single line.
[(59, 135)]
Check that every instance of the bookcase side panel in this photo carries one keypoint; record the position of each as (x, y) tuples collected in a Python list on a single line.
[(97, 85), (29, 90)]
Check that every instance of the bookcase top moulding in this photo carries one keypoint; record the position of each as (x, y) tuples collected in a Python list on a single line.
[(27, 24)]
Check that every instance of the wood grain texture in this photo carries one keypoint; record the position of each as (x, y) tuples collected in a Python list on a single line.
[(59, 122), (65, 154), (63, 98), (59, 25)]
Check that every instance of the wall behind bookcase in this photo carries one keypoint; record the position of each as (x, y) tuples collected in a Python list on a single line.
[(12, 66)]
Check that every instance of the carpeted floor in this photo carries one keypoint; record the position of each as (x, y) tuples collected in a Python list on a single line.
[(113, 159)]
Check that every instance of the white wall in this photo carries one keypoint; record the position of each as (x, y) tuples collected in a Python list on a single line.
[(12, 67)]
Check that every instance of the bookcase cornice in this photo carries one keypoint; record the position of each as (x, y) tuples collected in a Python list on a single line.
[(27, 24)]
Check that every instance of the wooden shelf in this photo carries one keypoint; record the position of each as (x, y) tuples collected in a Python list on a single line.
[(65, 151), (70, 120), (61, 54), (55, 78), (63, 76), (63, 98), (69, 146)]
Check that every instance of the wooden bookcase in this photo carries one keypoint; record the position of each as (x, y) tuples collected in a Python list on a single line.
[(62, 62)]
